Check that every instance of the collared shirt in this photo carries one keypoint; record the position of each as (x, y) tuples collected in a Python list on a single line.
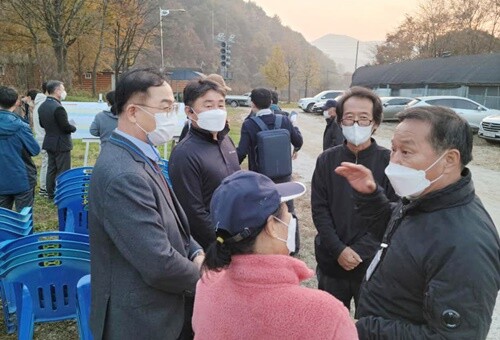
[(264, 112), (146, 148)]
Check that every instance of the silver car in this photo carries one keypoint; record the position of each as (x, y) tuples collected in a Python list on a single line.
[(393, 105), (471, 111)]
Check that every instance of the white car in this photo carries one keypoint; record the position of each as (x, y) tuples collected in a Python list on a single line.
[(489, 128), (318, 107), (471, 111), (307, 104)]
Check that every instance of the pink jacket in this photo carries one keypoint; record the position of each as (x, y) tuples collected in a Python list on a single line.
[(259, 297)]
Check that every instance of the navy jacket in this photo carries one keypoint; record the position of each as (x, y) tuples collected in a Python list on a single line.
[(54, 119), (248, 141), (333, 135), (338, 223), (197, 166), (17, 145)]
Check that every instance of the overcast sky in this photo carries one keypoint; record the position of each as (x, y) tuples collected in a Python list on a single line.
[(361, 19)]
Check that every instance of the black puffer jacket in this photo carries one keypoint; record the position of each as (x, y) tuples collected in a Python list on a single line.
[(439, 276), (333, 135)]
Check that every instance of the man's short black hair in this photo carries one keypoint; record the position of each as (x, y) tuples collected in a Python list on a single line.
[(32, 93), (110, 97), (8, 97), (360, 92), (261, 98), (53, 85), (136, 81), (197, 88), (448, 129), (274, 97)]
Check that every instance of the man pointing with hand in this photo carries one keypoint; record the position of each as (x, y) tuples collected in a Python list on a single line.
[(437, 272)]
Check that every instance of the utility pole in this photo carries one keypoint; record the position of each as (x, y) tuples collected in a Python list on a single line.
[(357, 51)]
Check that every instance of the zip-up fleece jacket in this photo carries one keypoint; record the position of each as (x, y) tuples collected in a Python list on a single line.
[(338, 223), (17, 145), (197, 166)]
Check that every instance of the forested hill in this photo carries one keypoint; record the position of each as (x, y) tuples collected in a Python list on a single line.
[(189, 42)]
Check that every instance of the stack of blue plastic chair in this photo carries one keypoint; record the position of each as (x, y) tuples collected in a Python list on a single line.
[(15, 224), (163, 164), (83, 308), (38, 276), (71, 199)]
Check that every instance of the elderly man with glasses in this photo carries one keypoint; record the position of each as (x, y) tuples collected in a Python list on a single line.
[(344, 245)]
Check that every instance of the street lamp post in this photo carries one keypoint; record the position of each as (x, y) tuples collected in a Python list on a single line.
[(164, 13)]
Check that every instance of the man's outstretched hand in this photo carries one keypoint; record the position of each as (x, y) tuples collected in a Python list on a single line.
[(358, 176)]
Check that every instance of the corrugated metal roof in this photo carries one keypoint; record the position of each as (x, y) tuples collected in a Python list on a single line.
[(483, 69)]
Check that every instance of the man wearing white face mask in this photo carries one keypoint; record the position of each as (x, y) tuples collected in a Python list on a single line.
[(437, 272), (57, 141), (204, 157), (145, 264), (344, 245), (251, 277)]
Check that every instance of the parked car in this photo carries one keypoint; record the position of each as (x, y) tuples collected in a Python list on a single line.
[(393, 105), (318, 107), (307, 104), (238, 100), (489, 128), (471, 111)]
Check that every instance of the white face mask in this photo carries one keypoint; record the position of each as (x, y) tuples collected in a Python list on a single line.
[(326, 114), (63, 95), (409, 182), (356, 134), (165, 127), (290, 239), (212, 120)]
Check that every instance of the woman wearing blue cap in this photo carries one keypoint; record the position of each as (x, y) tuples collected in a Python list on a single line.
[(250, 288)]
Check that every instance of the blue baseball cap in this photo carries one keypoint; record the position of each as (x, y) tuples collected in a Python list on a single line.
[(329, 104), (245, 199)]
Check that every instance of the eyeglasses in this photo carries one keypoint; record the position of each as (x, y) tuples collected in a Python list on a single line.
[(170, 109), (361, 121)]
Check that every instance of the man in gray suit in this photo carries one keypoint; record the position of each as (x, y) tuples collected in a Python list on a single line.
[(143, 259)]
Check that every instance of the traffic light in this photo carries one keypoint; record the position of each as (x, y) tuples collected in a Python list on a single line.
[(225, 54)]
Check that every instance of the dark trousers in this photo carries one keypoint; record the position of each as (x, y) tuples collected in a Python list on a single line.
[(58, 162), (187, 329), (22, 200), (343, 289)]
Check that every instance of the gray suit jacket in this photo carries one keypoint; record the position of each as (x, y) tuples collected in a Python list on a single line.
[(140, 269)]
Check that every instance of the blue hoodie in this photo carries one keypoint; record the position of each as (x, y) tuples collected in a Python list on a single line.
[(17, 145)]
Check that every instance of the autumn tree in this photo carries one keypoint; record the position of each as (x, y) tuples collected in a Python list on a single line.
[(61, 21), (274, 71), (459, 27), (309, 72)]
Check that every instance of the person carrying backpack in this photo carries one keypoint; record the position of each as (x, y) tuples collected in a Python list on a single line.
[(269, 150)]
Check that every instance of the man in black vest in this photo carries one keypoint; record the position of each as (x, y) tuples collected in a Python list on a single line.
[(57, 141)]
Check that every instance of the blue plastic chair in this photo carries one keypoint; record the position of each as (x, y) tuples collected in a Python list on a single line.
[(45, 293), (73, 213), (74, 172), (26, 211), (83, 308), (19, 227), (80, 185), (8, 245), (47, 244)]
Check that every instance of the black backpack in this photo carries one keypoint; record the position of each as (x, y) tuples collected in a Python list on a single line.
[(273, 152)]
